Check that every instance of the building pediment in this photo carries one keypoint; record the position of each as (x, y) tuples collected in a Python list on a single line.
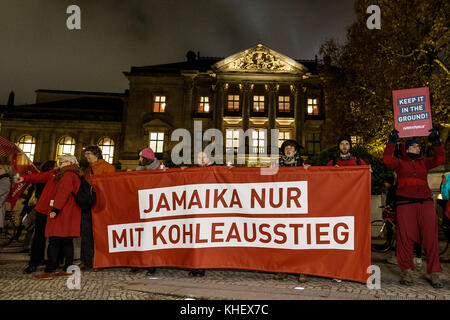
[(259, 59)]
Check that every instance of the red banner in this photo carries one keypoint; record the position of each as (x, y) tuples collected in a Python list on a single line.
[(314, 221), (412, 112)]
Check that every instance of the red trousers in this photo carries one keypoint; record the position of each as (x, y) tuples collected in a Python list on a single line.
[(417, 223)]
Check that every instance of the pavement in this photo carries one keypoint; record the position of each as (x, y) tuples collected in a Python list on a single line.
[(218, 284)]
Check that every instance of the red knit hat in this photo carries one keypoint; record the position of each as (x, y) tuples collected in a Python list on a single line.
[(147, 153)]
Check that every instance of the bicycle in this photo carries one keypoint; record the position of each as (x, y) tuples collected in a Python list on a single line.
[(443, 229), (9, 227), (383, 231)]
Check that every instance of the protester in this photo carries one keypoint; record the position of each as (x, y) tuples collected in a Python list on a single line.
[(6, 174), (345, 158), (416, 216), (290, 157), (445, 192), (64, 218), (45, 189), (147, 161), (202, 162), (97, 165)]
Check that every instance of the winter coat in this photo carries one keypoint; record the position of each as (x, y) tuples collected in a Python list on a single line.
[(43, 204), (68, 219), (349, 162), (98, 167), (5, 186), (445, 188), (152, 166), (295, 161), (412, 173)]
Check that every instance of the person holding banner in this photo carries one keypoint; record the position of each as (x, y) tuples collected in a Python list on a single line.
[(416, 215), (6, 174), (290, 157), (63, 223), (147, 161), (97, 165), (202, 162), (345, 158)]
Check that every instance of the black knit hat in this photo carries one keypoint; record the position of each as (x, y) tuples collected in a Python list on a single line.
[(345, 139)]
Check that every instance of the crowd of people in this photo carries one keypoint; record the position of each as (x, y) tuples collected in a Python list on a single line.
[(57, 217)]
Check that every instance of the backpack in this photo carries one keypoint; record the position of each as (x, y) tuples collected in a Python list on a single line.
[(86, 196), (358, 161)]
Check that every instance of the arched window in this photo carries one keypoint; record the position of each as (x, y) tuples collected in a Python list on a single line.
[(66, 145), (107, 146), (28, 145)]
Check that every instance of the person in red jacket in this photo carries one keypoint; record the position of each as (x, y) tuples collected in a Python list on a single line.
[(97, 165), (44, 181), (64, 218), (416, 215), (345, 157)]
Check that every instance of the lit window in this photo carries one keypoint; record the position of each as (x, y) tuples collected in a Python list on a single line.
[(28, 145), (204, 104), (66, 145), (258, 141), (107, 146), (283, 136), (232, 141), (313, 142), (157, 141), (356, 140), (159, 105), (258, 103), (233, 103), (313, 107), (284, 104)]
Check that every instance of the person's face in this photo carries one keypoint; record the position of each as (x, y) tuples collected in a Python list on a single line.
[(290, 151), (141, 161), (344, 147), (414, 148), (2, 170), (90, 157), (202, 159), (63, 164)]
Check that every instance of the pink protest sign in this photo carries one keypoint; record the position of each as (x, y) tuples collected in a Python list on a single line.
[(412, 112)]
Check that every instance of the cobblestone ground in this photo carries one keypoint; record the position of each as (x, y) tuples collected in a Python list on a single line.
[(120, 284)]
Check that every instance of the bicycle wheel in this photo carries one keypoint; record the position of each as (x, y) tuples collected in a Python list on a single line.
[(379, 236), (9, 229)]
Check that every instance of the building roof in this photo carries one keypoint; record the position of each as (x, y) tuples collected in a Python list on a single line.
[(81, 109), (250, 56)]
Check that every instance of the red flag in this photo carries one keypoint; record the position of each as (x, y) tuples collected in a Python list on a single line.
[(22, 165)]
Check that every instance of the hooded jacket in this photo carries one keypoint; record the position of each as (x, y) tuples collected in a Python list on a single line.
[(68, 219), (412, 173)]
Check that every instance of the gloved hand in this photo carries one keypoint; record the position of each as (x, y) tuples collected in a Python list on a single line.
[(434, 137), (393, 137)]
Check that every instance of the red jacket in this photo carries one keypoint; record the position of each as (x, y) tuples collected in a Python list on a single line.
[(67, 221), (412, 174), (343, 163), (43, 204), (98, 167)]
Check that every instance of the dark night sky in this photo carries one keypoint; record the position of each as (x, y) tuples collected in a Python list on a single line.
[(37, 51)]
